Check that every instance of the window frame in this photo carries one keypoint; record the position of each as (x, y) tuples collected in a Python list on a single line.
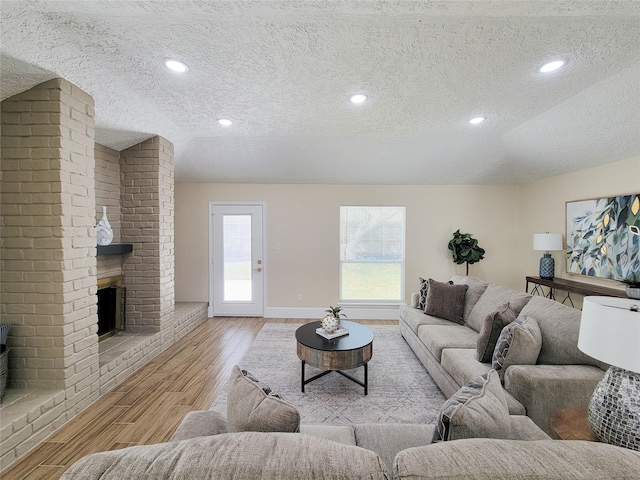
[(402, 262)]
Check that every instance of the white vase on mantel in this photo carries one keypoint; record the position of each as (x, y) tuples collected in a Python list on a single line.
[(104, 232)]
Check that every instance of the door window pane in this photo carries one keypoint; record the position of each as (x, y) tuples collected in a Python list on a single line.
[(237, 257)]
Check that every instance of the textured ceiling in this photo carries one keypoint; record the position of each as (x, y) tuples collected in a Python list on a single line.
[(283, 71)]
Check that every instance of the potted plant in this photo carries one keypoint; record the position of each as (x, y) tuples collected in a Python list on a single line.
[(465, 249), (633, 285), (331, 321)]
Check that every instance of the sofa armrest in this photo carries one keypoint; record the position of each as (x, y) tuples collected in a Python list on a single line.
[(523, 428), (544, 389), (415, 299), (200, 424)]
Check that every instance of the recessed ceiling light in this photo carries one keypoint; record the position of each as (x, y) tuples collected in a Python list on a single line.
[(225, 122), (176, 66), (358, 98), (552, 66), (476, 120)]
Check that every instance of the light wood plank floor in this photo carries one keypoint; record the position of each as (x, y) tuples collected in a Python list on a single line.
[(148, 406)]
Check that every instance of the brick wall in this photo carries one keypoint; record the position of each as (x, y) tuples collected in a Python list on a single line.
[(147, 222), (108, 194), (52, 174), (48, 261)]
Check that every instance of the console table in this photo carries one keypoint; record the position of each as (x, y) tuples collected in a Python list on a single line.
[(570, 286)]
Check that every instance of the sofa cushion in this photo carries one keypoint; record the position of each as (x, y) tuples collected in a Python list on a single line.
[(388, 439), (476, 289), (438, 337), (491, 299), (519, 344), (424, 288), (414, 318), (491, 329), (446, 301), (252, 406), (462, 364), (479, 409), (234, 456), (488, 458), (336, 433), (559, 326)]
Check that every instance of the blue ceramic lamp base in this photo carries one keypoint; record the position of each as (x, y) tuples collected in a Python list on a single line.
[(547, 266)]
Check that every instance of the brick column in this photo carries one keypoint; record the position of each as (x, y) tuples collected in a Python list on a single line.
[(148, 223), (167, 248), (48, 242)]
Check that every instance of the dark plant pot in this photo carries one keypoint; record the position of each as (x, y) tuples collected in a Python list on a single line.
[(633, 292)]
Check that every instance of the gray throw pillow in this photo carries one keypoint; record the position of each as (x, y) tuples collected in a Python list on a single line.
[(519, 344), (446, 300), (253, 407), (424, 288), (491, 329), (477, 410)]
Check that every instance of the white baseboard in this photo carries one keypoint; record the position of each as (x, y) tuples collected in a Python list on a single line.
[(353, 313)]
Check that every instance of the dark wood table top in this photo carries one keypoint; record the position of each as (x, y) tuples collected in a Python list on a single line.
[(572, 424), (359, 337), (581, 288)]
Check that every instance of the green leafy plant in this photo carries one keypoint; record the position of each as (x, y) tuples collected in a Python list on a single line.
[(465, 249), (335, 312), (633, 280)]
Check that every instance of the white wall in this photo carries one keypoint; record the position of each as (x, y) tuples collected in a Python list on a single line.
[(304, 219), (542, 209)]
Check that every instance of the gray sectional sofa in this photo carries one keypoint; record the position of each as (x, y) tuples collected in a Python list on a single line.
[(494, 426), (202, 450), (562, 377)]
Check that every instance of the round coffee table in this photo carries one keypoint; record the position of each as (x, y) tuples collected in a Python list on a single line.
[(343, 353)]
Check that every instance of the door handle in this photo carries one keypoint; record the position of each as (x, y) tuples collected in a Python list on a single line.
[(257, 269)]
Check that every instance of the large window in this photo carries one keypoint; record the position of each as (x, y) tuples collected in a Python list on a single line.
[(372, 253)]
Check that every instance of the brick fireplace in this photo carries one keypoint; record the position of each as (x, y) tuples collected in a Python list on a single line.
[(55, 180)]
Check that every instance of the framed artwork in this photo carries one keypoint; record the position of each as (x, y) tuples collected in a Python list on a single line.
[(603, 236)]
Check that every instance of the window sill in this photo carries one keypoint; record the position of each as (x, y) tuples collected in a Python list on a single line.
[(366, 304)]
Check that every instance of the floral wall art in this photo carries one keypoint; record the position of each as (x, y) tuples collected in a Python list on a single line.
[(603, 237)]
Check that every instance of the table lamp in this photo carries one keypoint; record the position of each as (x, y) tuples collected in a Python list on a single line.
[(547, 242), (610, 332)]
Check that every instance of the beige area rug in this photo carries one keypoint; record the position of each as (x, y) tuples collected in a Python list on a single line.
[(400, 389)]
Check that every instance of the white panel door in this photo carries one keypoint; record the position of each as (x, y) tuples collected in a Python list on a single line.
[(237, 260)]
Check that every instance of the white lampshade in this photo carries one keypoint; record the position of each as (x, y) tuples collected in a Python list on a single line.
[(610, 331), (547, 241)]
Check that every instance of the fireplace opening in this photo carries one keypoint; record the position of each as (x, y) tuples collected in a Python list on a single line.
[(111, 306)]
